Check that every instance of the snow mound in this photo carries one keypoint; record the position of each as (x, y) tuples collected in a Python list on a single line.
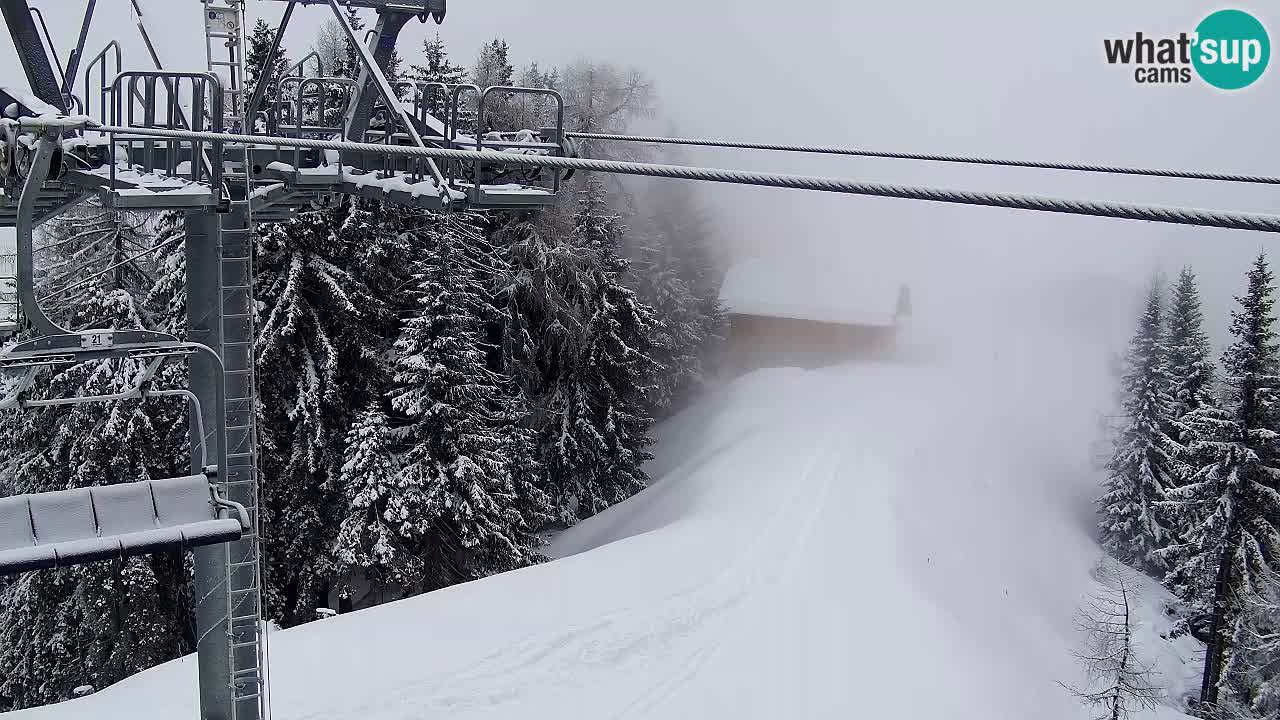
[(863, 541)]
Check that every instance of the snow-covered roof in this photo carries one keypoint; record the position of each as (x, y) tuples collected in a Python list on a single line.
[(774, 287)]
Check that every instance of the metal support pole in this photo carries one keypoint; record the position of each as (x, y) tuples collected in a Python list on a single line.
[(228, 582), (204, 325), (146, 37), (44, 82)]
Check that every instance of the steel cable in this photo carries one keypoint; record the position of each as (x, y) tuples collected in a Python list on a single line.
[(963, 159), (1130, 211)]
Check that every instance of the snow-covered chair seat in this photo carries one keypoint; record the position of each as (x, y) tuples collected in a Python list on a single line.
[(68, 527)]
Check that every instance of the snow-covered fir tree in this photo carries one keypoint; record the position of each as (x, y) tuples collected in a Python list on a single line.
[(436, 65), (438, 68), (677, 335), (582, 347), (1233, 550), (1191, 368), (320, 360), (676, 275), (493, 65), (1145, 461), (1259, 649), (374, 540), (1192, 378), (462, 506)]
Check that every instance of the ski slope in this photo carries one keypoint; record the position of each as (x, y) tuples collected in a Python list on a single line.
[(882, 541)]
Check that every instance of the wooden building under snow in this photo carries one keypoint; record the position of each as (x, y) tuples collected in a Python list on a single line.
[(783, 314)]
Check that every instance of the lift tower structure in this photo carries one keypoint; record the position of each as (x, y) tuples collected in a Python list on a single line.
[(51, 160)]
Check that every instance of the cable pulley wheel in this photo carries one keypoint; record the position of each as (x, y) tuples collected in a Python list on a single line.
[(21, 159)]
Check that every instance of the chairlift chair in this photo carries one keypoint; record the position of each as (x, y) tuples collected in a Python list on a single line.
[(66, 527)]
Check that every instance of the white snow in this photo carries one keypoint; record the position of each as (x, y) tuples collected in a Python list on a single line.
[(30, 101), (878, 541), (350, 174)]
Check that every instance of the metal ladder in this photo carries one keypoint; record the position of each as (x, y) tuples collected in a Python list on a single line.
[(224, 32), (239, 480), (224, 29)]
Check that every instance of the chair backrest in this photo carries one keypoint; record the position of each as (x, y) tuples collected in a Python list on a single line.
[(65, 527), (15, 523), (183, 500), (63, 516), (124, 508)]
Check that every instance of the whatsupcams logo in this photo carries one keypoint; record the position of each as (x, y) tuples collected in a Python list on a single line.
[(1228, 50)]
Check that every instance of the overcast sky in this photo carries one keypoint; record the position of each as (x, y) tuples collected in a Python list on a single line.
[(1000, 77)]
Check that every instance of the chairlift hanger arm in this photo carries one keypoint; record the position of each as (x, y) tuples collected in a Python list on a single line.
[(25, 228)]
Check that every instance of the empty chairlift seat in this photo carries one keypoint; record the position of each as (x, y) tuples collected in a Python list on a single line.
[(66, 527)]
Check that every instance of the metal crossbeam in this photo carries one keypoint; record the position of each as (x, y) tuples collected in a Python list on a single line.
[(41, 78)]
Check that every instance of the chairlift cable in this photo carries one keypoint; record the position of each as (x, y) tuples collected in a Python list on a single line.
[(929, 157), (1262, 222)]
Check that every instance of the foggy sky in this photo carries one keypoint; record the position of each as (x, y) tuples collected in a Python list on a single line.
[(996, 77)]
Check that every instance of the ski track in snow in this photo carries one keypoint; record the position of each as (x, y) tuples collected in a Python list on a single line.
[(666, 642)]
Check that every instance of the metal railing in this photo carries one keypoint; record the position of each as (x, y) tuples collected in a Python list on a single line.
[(154, 100), (472, 175), (106, 75), (315, 109)]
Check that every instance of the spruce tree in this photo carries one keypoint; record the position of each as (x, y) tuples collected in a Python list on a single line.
[(320, 359), (464, 450), (493, 67), (1144, 463), (373, 540), (1235, 548), (1191, 369), (595, 449), (1192, 377), (678, 277), (437, 67), (678, 340)]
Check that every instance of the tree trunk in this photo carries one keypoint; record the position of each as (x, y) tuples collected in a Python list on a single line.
[(1216, 650)]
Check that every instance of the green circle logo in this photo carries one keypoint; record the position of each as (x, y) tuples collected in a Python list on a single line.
[(1232, 49)]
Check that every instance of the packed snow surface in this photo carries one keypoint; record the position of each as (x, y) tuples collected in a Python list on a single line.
[(906, 540)]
